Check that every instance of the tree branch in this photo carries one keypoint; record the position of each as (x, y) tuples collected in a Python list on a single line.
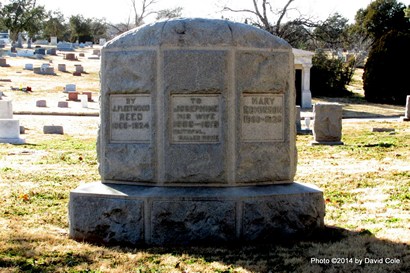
[(282, 14), (239, 10)]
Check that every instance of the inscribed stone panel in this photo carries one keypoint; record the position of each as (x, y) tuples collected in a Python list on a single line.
[(262, 117), (195, 119), (130, 118)]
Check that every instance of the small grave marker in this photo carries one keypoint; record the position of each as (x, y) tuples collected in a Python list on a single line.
[(41, 103), (62, 67), (63, 104), (53, 129), (327, 126), (3, 62)]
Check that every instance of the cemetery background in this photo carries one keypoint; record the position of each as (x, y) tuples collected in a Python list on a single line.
[(365, 182)]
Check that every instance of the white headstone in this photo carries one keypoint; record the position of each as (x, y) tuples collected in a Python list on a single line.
[(6, 109), (53, 40), (10, 131), (84, 100)]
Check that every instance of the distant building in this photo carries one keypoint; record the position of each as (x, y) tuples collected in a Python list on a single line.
[(303, 63)]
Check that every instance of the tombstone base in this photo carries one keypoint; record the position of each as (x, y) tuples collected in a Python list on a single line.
[(330, 143), (304, 132), (127, 214), (13, 140)]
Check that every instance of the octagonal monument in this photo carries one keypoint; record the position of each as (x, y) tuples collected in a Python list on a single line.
[(197, 141)]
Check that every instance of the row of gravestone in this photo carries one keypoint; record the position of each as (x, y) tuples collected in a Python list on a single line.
[(46, 69), (38, 52), (83, 98), (66, 46), (41, 52)]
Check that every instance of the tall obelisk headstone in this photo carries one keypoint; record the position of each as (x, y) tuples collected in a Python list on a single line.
[(197, 140)]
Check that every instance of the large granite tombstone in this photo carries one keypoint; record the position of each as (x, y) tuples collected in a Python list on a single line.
[(197, 140)]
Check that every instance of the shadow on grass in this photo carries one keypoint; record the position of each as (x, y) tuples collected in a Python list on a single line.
[(21, 263), (313, 254)]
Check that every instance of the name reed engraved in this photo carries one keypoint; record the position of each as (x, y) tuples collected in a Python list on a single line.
[(130, 118)]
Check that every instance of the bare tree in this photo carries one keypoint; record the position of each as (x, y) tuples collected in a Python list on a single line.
[(142, 10), (296, 31), (262, 11)]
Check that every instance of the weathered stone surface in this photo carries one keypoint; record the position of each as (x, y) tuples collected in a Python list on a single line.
[(327, 126), (254, 168), (129, 214), (138, 37), (199, 58), (129, 162), (196, 32), (282, 217), (106, 220), (129, 72), (193, 222), (257, 71), (195, 71)]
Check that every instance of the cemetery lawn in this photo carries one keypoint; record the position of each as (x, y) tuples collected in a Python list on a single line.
[(365, 182)]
